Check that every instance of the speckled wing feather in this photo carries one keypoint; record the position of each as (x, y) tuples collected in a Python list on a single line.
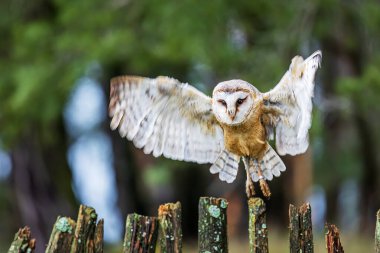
[(165, 117), (227, 166), (289, 105)]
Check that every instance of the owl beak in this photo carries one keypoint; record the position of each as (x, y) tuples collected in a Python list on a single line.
[(231, 114)]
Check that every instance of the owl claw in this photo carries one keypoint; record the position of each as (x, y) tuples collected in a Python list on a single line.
[(249, 188), (265, 188)]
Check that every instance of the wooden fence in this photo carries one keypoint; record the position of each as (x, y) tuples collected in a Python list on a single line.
[(144, 234)]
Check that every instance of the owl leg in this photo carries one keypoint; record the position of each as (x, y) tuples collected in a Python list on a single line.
[(249, 187), (263, 183)]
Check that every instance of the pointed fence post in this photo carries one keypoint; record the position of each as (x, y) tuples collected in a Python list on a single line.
[(23, 242), (333, 243), (98, 237), (84, 236), (62, 236), (212, 225), (258, 231), (294, 229), (300, 229), (140, 234), (170, 230)]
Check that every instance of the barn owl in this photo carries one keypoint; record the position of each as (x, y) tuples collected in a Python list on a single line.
[(166, 117)]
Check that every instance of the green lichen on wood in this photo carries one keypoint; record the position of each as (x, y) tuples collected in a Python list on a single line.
[(63, 225), (62, 236), (377, 233), (307, 245), (214, 211), (140, 234), (223, 203), (212, 225), (22, 242), (258, 231), (170, 230), (85, 231), (300, 229)]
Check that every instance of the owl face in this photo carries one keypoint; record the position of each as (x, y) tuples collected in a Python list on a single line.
[(232, 101)]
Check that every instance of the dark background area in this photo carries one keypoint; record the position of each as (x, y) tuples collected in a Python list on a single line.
[(56, 148)]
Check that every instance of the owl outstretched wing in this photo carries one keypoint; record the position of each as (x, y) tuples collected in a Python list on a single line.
[(165, 117), (288, 105)]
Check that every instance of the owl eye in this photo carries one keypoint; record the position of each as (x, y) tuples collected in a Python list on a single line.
[(222, 102), (240, 101)]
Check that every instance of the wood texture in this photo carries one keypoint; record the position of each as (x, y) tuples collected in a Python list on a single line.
[(23, 242), (212, 225), (61, 236), (170, 230), (84, 236), (258, 231), (333, 243), (300, 229), (140, 234), (294, 229), (98, 237)]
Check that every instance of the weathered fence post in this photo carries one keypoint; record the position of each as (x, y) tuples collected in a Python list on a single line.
[(258, 232), (99, 234), (300, 229), (212, 225), (333, 243), (170, 230), (62, 236), (140, 234), (23, 242), (85, 237), (294, 229), (377, 233)]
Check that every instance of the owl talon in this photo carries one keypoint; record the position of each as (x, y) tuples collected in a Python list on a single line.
[(265, 188), (249, 188)]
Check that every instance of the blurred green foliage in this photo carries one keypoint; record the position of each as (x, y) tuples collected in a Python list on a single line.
[(47, 46)]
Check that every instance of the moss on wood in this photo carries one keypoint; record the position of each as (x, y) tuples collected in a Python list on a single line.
[(23, 242), (170, 230), (140, 234), (62, 236), (300, 229), (84, 237), (258, 231), (212, 225)]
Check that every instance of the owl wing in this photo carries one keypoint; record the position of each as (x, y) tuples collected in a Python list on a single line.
[(288, 105), (165, 117)]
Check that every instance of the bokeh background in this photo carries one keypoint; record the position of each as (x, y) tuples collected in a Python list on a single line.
[(57, 151)]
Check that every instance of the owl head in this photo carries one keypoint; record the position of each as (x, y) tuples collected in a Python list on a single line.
[(232, 101)]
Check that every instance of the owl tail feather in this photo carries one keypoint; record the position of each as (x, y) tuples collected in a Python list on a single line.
[(270, 165), (226, 165)]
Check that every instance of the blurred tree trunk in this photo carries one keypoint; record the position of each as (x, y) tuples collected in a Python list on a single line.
[(126, 170), (125, 164), (338, 63), (369, 201), (344, 61), (41, 182), (300, 177)]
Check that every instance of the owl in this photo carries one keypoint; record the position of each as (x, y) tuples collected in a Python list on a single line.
[(165, 117)]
